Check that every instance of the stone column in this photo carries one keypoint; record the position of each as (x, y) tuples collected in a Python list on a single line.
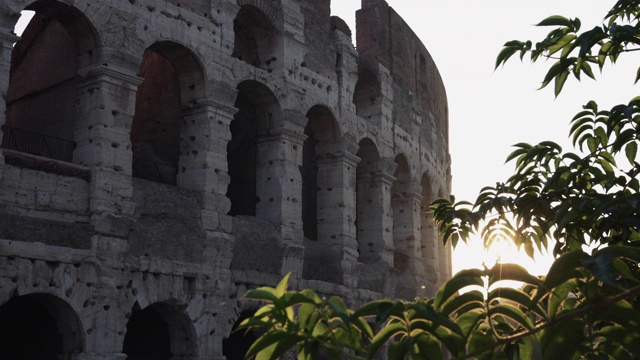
[(279, 187), (408, 257), (104, 114), (431, 252), (374, 233), (203, 167), (203, 160), (336, 214), (106, 96), (106, 325), (7, 39)]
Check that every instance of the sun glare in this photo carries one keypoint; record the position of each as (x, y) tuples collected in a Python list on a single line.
[(500, 251), (504, 251)]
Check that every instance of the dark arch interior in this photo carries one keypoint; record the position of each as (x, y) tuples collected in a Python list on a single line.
[(147, 336), (367, 93), (40, 99), (254, 36), (242, 157), (155, 133), (258, 109), (322, 138), (238, 343), (28, 331)]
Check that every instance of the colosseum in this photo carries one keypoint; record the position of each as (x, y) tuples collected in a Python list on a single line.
[(161, 157)]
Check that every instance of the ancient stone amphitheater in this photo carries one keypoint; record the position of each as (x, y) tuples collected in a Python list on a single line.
[(161, 157)]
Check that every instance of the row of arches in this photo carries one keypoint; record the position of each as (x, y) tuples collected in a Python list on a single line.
[(166, 141), (60, 40), (45, 327)]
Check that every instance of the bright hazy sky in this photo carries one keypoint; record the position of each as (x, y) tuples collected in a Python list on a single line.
[(490, 111)]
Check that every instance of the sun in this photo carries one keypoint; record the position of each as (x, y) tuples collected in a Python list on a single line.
[(474, 255), (500, 251)]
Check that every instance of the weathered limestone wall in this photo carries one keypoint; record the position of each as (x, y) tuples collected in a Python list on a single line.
[(216, 146)]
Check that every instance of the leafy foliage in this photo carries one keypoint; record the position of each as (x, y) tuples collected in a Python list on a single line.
[(586, 307)]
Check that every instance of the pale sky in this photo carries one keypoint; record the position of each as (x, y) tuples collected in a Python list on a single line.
[(490, 111)]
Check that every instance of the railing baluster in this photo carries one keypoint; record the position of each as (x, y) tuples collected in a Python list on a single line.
[(37, 144)]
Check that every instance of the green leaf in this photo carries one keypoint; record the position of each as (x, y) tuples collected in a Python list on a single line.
[(559, 295), (515, 272), (625, 337), (398, 349), (564, 268), (603, 53), (263, 293), (389, 331), (586, 68), (482, 340), (513, 313), (621, 313), (505, 54), (272, 345), (561, 43), (631, 150), (427, 347), (592, 144), (307, 316), (555, 20), (467, 301), (515, 296), (373, 308), (281, 289), (458, 282), (469, 320), (562, 340), (560, 80), (320, 329)]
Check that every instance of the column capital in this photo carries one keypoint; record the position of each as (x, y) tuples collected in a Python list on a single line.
[(207, 104), (115, 76), (8, 38), (385, 178), (340, 156), (284, 134)]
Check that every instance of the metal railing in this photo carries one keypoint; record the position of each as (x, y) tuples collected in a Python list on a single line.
[(37, 144), (154, 171)]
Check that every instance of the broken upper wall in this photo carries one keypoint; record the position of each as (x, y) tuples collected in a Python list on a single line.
[(317, 31), (384, 38)]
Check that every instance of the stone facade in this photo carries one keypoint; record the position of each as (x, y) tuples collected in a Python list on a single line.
[(161, 157)]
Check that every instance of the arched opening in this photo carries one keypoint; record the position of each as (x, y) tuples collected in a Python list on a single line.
[(322, 139), (159, 332), (39, 326), (258, 108), (367, 95), (371, 200), (173, 82), (43, 80), (403, 237), (238, 343), (319, 169), (369, 206), (255, 37)]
